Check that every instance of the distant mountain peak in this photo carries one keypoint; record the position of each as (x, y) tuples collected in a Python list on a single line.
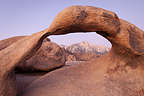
[(85, 43), (86, 47)]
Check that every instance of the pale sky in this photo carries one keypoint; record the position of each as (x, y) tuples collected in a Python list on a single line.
[(24, 17)]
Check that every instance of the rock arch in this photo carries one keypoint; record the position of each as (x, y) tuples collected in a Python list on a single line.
[(118, 73)]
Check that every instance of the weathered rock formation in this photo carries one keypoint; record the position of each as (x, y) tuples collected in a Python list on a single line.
[(25, 79), (7, 42), (118, 73), (49, 57), (14, 54), (70, 57)]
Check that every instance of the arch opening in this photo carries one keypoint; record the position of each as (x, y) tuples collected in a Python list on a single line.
[(74, 38)]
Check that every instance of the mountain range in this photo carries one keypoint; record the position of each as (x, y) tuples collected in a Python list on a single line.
[(86, 47)]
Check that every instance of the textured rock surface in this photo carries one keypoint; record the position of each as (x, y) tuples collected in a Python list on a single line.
[(70, 57), (24, 79), (49, 57), (7, 42), (117, 73), (12, 55)]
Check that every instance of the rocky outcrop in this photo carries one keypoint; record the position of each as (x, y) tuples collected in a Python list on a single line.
[(49, 57), (7, 42), (117, 73), (9, 58), (71, 57)]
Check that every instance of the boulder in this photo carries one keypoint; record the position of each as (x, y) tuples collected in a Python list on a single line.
[(49, 57)]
